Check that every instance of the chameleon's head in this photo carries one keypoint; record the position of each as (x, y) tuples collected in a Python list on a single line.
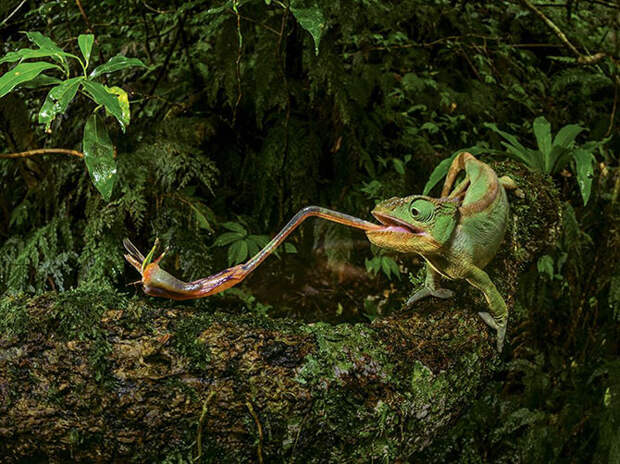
[(414, 224)]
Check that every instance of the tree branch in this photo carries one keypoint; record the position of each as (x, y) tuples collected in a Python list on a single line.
[(42, 151)]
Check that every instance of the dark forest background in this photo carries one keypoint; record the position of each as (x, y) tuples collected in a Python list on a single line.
[(248, 110)]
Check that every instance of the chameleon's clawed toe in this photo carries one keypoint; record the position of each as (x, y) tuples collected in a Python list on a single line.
[(488, 319), (499, 327), (442, 293), (501, 335)]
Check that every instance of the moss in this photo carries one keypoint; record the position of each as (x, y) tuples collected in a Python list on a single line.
[(144, 374)]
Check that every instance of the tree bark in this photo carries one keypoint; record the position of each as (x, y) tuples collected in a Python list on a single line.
[(90, 376)]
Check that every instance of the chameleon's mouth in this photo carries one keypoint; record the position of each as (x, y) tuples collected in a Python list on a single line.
[(392, 224)]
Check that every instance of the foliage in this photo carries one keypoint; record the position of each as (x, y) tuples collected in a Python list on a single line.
[(98, 149), (243, 245), (382, 263), (553, 155), (254, 109)]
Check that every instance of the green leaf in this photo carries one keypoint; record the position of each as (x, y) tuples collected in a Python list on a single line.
[(85, 42), (116, 63), (545, 266), (109, 101), (57, 101), (399, 166), (99, 155), (442, 168), (21, 73), (253, 247), (390, 266), (542, 132), (26, 54), (123, 101), (235, 227), (310, 18), (43, 41), (511, 138), (566, 135), (261, 240), (237, 252), (227, 238), (48, 45), (438, 173), (41, 81), (290, 248), (584, 161)]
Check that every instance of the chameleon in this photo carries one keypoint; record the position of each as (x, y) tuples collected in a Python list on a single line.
[(457, 234)]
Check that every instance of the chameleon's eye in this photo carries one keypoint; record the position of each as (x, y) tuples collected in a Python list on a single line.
[(421, 210)]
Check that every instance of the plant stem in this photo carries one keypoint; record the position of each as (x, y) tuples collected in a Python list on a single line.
[(42, 151)]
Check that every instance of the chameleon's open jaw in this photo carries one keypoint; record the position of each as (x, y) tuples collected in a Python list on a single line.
[(392, 224)]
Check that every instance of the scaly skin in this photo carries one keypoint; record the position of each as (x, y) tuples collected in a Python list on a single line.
[(457, 234)]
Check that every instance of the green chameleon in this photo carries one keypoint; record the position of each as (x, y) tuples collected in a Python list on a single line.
[(457, 235)]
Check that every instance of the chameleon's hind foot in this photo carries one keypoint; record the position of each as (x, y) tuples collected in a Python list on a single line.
[(498, 326), (436, 292)]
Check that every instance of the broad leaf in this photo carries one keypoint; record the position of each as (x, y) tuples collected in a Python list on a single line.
[(116, 63), (99, 155), (442, 168), (85, 42), (57, 101), (227, 238), (542, 132), (21, 73), (545, 266), (566, 135), (44, 42), (26, 54), (511, 138), (584, 161), (290, 248), (48, 45), (237, 252), (101, 96), (123, 101), (310, 17), (235, 227), (42, 80)]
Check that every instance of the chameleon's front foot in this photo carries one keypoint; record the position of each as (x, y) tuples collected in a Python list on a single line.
[(427, 291), (498, 325)]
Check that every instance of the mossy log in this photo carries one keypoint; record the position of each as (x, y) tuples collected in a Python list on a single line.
[(90, 376)]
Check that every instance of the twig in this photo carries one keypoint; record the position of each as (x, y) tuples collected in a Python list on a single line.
[(238, 62), (13, 13), (42, 151), (162, 71), (556, 30), (260, 432), (612, 116), (245, 18), (282, 57), (201, 421), (83, 13), (155, 10)]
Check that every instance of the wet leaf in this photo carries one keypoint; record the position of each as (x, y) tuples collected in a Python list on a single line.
[(310, 17), (21, 73), (123, 101), (237, 252), (57, 101), (116, 63), (108, 100), (85, 41), (99, 156), (584, 161)]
